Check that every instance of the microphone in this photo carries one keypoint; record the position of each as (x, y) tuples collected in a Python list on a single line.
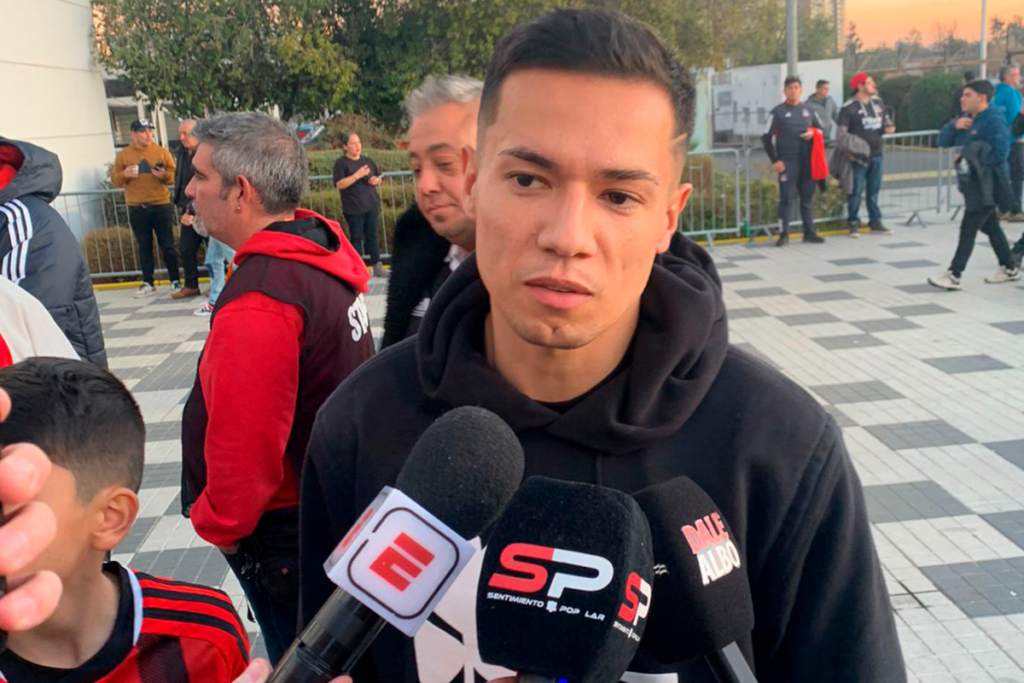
[(565, 584), (697, 568), (409, 546)]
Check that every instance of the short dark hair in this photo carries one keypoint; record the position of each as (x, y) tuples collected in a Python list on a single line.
[(82, 416), (968, 76), (982, 87), (590, 41), (820, 83), (346, 136), (790, 80)]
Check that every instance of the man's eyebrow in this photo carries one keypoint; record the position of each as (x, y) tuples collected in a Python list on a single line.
[(529, 157), (629, 174), (441, 147)]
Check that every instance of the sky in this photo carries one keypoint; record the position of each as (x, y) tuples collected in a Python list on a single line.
[(890, 20)]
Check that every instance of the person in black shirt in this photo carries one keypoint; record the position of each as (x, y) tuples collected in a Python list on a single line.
[(788, 143), (864, 115), (357, 177), (189, 240)]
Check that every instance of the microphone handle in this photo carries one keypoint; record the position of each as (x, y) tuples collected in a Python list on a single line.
[(730, 666), (332, 642)]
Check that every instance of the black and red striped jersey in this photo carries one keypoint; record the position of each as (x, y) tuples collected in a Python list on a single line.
[(166, 632)]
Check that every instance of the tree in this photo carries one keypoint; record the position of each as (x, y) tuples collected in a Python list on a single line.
[(209, 55)]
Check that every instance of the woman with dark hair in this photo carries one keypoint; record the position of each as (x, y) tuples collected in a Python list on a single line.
[(357, 177)]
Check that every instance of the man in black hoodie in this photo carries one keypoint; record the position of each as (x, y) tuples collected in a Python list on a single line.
[(599, 334)]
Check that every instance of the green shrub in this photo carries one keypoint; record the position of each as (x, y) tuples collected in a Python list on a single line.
[(931, 98), (322, 162), (895, 92)]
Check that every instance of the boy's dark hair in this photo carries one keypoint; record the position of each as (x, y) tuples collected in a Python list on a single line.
[(968, 76), (820, 83), (791, 80), (82, 416), (982, 87), (590, 41)]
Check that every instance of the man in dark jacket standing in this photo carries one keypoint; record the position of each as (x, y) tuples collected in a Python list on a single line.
[(558, 323), (983, 176), (434, 236), (189, 240), (38, 250), (289, 326)]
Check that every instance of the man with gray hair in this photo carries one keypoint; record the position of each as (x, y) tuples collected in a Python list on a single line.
[(1008, 96), (188, 240), (289, 326), (435, 235)]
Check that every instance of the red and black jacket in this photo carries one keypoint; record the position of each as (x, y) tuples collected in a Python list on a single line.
[(290, 325)]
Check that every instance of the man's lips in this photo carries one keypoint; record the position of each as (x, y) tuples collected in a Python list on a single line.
[(558, 293)]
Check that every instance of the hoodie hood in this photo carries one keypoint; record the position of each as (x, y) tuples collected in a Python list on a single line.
[(313, 240), (676, 354), (39, 172)]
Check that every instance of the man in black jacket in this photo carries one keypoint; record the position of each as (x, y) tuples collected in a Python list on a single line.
[(599, 334), (434, 236), (189, 241), (38, 250)]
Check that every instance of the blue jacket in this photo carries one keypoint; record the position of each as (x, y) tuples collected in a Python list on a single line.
[(1010, 99), (990, 126)]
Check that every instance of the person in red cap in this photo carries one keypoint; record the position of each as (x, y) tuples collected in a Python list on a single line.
[(864, 115)]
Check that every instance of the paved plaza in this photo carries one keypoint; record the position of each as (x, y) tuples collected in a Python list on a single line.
[(927, 385)]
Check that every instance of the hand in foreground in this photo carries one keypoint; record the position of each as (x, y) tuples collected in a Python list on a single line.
[(963, 123), (28, 528), (259, 670)]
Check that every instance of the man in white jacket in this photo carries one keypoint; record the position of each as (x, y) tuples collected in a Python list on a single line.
[(26, 328)]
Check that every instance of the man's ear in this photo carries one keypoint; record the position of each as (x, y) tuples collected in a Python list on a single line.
[(246, 192), (116, 508), (677, 202), (469, 175)]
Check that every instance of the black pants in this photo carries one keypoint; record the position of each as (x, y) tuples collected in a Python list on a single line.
[(270, 580), (987, 221), (796, 179), (363, 230), (190, 242), (145, 220), (1017, 172)]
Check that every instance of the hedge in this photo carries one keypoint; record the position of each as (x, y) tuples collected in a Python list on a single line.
[(322, 162)]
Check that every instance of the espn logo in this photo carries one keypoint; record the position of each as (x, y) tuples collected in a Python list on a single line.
[(402, 561)]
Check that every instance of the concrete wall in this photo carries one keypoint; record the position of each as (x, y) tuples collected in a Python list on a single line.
[(53, 89)]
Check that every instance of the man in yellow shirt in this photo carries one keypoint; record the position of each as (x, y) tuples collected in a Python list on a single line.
[(145, 169)]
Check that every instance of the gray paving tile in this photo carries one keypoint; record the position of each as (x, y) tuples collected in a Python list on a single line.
[(956, 364), (903, 245), (818, 297), (746, 312), (808, 319), (1012, 451), (885, 325), (722, 264), (141, 350), (189, 564), (163, 431), (924, 434), (761, 292), (840, 277), (849, 341), (914, 263), (162, 475), (911, 501), (858, 261), (920, 289), (918, 309), (121, 334), (1016, 327), (842, 419), (1009, 524), (748, 257), (740, 277), (170, 317), (200, 336), (177, 371), (981, 589), (137, 536), (856, 392)]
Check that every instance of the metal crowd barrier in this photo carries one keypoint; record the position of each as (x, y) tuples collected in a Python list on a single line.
[(100, 219), (715, 208)]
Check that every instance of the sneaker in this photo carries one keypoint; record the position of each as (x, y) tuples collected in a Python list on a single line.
[(1003, 274), (144, 290), (946, 281), (176, 286), (184, 292), (1014, 218), (854, 234), (879, 229), (378, 270), (814, 239), (1018, 256), (204, 311), (783, 239)]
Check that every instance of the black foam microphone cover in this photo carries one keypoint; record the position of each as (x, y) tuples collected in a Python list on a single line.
[(565, 584), (700, 579), (464, 469)]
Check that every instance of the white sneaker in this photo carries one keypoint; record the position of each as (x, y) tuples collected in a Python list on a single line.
[(1014, 218), (144, 290), (204, 311), (1003, 274), (946, 281), (175, 287)]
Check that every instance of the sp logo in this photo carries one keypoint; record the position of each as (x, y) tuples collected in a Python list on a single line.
[(529, 564), (638, 600)]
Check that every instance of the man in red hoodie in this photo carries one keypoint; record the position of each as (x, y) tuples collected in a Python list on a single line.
[(290, 325)]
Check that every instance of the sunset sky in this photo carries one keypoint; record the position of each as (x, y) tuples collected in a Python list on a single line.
[(890, 20)]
